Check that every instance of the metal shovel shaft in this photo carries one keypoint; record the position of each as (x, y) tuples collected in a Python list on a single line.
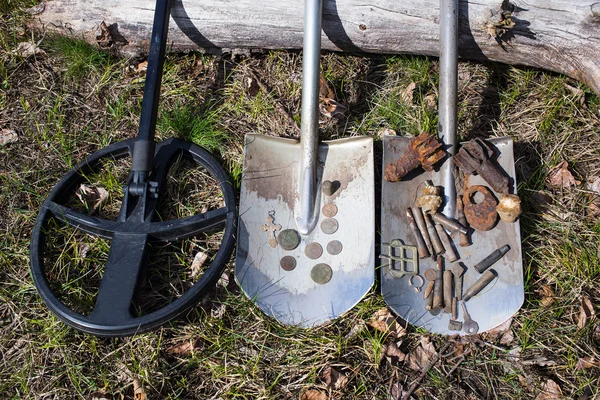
[(448, 94), (309, 128)]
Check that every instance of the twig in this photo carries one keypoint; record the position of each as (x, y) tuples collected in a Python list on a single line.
[(425, 371), (278, 105)]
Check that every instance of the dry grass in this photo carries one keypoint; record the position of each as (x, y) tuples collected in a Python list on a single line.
[(75, 100)]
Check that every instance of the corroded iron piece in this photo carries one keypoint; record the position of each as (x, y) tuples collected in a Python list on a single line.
[(474, 158), (481, 216), (425, 150)]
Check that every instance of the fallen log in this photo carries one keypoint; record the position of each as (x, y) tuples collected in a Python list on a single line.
[(561, 36)]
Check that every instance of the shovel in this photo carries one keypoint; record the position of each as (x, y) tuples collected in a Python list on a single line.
[(305, 250), (404, 277)]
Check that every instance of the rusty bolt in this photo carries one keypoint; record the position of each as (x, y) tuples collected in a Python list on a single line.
[(424, 150)]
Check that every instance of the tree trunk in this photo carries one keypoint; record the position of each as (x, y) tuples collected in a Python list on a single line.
[(561, 36)]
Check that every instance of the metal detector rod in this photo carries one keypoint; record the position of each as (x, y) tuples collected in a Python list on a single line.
[(143, 151), (448, 97), (309, 126)]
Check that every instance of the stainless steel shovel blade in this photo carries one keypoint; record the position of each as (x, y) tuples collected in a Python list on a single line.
[(498, 301), (306, 280)]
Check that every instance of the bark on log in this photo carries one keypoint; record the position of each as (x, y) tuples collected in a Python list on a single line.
[(558, 35)]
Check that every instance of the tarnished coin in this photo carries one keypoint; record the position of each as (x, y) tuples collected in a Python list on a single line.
[(313, 251), (321, 273), (334, 247), (330, 210), (329, 226), (288, 239), (288, 263), (429, 274)]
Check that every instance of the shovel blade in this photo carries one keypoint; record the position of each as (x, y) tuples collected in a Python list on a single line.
[(304, 292), (495, 304)]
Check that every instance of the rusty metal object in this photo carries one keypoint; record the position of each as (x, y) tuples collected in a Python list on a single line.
[(438, 288), (460, 216), (448, 223), (474, 158), (425, 150), (455, 325), (428, 289), (458, 270), (420, 220), (429, 301), (449, 254), (480, 284), (438, 247), (487, 262), (448, 278), (454, 308), (481, 216), (421, 246)]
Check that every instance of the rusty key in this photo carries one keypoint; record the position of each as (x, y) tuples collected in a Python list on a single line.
[(470, 327)]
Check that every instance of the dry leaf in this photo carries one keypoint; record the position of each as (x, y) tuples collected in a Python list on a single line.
[(560, 177), (138, 390), (142, 68), (252, 86), (8, 136), (430, 102), (547, 296), (28, 49), (313, 394), (331, 108), (384, 321), (83, 250), (334, 379), (219, 311), (199, 261), (420, 357), (93, 197), (586, 313), (397, 392), (587, 362), (407, 94), (550, 391), (393, 353), (593, 208), (356, 329), (184, 348), (324, 90), (498, 332), (224, 279)]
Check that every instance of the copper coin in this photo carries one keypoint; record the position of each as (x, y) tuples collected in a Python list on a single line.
[(313, 251), (429, 274), (334, 247), (321, 273), (288, 239), (329, 226), (288, 263), (330, 210)]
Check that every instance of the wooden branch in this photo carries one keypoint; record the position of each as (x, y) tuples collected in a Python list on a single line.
[(561, 36)]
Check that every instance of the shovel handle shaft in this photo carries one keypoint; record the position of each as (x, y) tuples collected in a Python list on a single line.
[(309, 124), (448, 94)]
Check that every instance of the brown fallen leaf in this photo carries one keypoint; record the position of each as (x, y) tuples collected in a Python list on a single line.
[(393, 353), (253, 86), (332, 109), (560, 177), (397, 392), (407, 94), (494, 335), (419, 358), (199, 261), (550, 391), (28, 49), (587, 362), (313, 394), (430, 102), (593, 207), (334, 378), (93, 197), (325, 91), (384, 321), (586, 312), (184, 348), (138, 390), (8, 136), (548, 296)]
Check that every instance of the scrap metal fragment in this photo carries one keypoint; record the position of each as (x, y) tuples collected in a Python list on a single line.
[(474, 158), (424, 150), (460, 216), (421, 246), (496, 255), (449, 254), (480, 284), (481, 216)]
